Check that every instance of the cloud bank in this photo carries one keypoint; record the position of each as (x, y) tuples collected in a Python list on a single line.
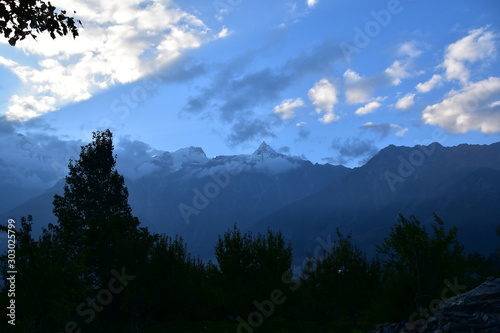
[(480, 44), (475, 107), (121, 42)]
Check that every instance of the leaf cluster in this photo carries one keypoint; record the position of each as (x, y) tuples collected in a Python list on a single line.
[(19, 19)]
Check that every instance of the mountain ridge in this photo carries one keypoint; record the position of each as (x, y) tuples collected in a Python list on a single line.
[(200, 197), (394, 182)]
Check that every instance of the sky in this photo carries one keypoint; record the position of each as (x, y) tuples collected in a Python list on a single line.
[(332, 81)]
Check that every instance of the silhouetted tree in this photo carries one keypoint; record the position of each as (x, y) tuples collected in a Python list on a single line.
[(250, 268), (96, 239), (422, 262), (272, 259), (47, 286), (94, 197), (19, 19), (173, 282), (95, 225), (342, 281)]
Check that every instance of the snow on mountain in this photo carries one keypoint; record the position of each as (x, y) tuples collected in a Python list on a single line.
[(265, 151), (264, 159), (184, 157)]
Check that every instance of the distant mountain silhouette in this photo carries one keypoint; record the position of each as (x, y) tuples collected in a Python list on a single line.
[(461, 184), (200, 198)]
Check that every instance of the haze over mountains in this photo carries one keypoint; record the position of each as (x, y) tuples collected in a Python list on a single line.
[(197, 197)]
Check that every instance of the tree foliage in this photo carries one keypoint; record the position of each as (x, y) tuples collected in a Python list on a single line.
[(250, 267), (343, 280), (74, 261), (19, 19), (422, 261), (95, 198), (45, 283)]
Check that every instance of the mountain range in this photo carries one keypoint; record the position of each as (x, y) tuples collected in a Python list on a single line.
[(199, 198)]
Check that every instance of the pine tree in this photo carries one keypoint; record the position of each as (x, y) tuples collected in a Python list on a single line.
[(96, 226), (94, 192)]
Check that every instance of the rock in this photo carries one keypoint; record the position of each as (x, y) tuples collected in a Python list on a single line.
[(475, 311), (485, 298), (400, 327), (410, 327)]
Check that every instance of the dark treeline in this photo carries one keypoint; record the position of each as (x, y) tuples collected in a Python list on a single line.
[(98, 270)]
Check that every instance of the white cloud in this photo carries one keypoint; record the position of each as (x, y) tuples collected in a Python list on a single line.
[(223, 33), (494, 104), (475, 107), (27, 107), (122, 41), (324, 96), (397, 71), (7, 62), (357, 89), (480, 44), (427, 86), (328, 118), (35, 161), (368, 108), (311, 3), (135, 158), (287, 108), (409, 49), (405, 102)]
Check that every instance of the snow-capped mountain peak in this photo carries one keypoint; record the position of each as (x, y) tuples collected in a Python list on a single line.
[(194, 160), (265, 150), (267, 159), (191, 153), (183, 157)]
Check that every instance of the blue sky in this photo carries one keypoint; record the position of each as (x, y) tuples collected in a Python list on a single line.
[(333, 81)]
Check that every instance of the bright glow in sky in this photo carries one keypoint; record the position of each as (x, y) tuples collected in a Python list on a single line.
[(333, 81)]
